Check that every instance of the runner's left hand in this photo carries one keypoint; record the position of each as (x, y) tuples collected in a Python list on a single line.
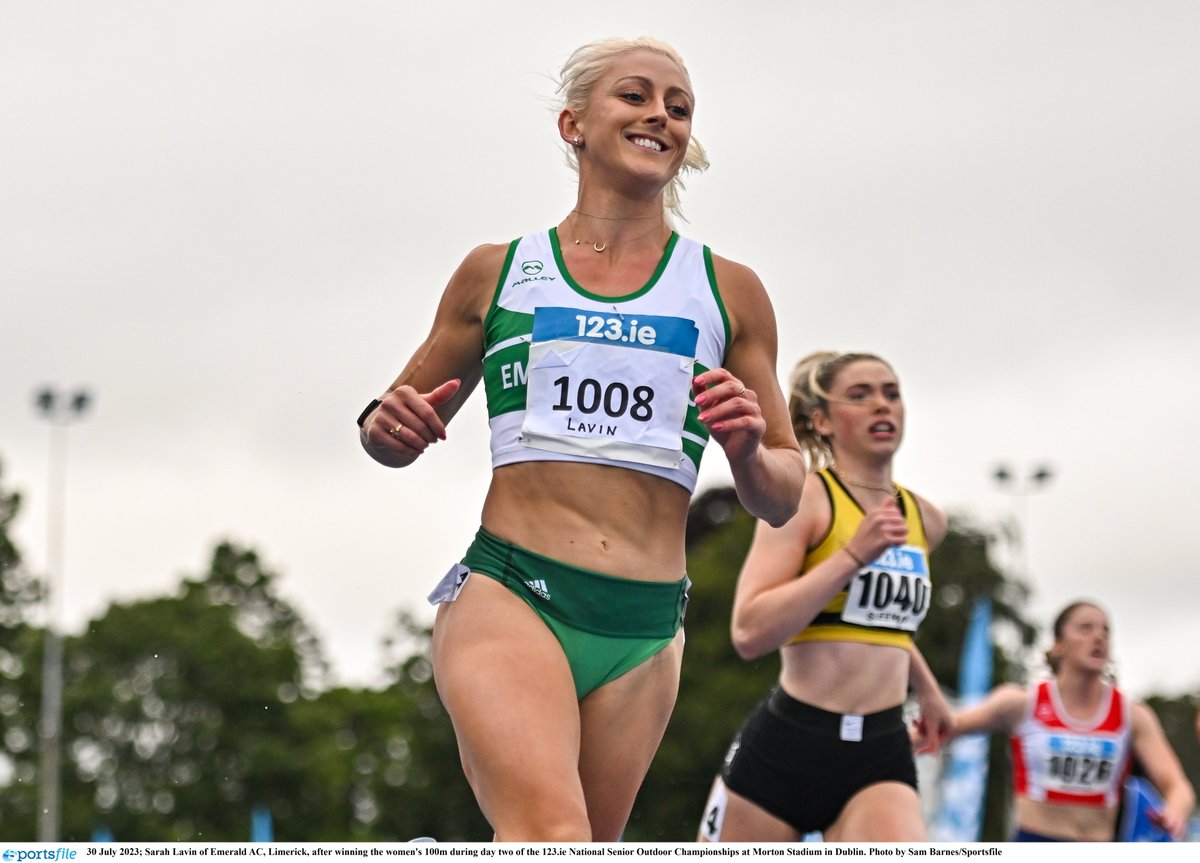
[(731, 413), (933, 727)]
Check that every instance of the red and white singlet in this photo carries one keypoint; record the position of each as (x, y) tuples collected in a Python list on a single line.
[(1060, 759)]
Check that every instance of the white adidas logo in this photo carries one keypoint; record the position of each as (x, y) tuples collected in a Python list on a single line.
[(538, 586)]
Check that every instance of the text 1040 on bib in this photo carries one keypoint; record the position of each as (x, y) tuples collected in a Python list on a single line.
[(890, 592)]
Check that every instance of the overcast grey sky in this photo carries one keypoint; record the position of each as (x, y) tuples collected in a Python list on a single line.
[(232, 221)]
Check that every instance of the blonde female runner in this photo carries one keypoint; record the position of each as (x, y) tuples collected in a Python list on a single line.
[(611, 350)]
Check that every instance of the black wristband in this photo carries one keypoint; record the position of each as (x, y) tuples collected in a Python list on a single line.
[(367, 411)]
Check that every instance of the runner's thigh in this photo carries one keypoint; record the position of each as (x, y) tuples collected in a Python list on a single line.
[(622, 724), (508, 688), (883, 812), (730, 817)]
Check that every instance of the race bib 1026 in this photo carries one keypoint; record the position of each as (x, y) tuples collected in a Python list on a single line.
[(1079, 764)]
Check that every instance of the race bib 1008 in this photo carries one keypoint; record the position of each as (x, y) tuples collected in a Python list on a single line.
[(890, 592), (609, 385)]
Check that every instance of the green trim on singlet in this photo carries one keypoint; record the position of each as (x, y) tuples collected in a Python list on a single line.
[(693, 450), (496, 326), (692, 425), (501, 325), (508, 259), (499, 399), (582, 291), (712, 283)]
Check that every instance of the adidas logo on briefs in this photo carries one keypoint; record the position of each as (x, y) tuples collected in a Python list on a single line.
[(539, 587)]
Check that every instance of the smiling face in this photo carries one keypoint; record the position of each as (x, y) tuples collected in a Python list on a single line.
[(637, 122), (864, 413)]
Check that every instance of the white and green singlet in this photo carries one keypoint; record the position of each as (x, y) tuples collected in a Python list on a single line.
[(574, 376)]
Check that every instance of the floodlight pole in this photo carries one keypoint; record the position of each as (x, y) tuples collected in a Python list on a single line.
[(1021, 487), (60, 411)]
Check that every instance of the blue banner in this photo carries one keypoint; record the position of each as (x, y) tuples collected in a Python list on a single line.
[(261, 827), (964, 778)]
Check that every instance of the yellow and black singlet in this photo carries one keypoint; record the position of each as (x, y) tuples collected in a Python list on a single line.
[(888, 598)]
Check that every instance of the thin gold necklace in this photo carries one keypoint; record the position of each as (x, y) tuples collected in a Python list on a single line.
[(890, 489), (618, 218), (599, 246)]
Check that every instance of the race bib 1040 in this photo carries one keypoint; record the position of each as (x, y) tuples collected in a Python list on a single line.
[(612, 386), (890, 592)]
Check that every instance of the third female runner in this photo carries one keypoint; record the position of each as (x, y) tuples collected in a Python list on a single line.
[(1073, 736)]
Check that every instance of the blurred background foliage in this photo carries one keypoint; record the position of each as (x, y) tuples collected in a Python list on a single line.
[(184, 713)]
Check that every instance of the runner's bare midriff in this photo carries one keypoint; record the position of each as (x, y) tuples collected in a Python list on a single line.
[(1080, 823), (815, 672), (592, 516)]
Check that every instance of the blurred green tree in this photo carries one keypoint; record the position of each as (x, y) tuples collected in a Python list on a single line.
[(382, 765), (1178, 715), (21, 592), (422, 791), (176, 716), (183, 713)]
